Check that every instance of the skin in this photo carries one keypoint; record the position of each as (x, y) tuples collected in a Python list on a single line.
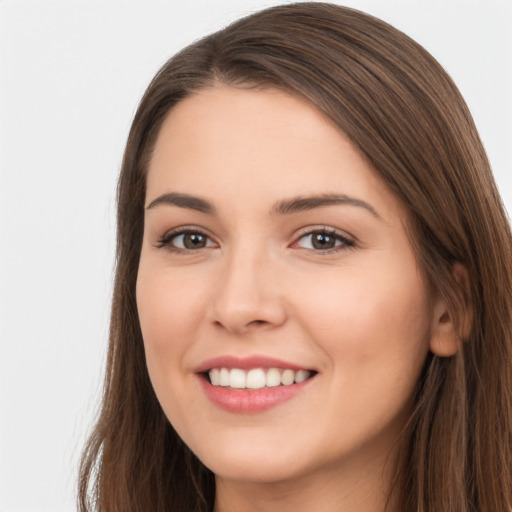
[(359, 314)]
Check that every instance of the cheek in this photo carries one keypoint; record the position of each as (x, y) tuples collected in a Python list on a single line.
[(168, 306), (371, 319)]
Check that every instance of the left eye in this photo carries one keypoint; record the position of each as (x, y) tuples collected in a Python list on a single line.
[(323, 241), (186, 240)]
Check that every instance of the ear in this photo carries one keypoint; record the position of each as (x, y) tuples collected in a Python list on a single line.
[(452, 325), (444, 341)]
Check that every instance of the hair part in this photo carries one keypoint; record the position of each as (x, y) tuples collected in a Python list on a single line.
[(404, 114)]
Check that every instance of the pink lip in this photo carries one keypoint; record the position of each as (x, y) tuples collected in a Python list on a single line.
[(246, 363), (250, 401), (243, 400)]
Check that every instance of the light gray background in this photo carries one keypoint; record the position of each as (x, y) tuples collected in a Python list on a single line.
[(71, 75)]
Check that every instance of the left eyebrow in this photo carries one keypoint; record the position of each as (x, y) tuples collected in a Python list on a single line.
[(299, 204), (183, 201)]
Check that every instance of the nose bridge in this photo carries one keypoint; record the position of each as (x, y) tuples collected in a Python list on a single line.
[(246, 295)]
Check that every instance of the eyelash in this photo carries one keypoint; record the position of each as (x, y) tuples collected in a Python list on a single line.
[(166, 240), (345, 242)]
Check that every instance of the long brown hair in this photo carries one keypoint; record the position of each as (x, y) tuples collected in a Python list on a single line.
[(403, 112)]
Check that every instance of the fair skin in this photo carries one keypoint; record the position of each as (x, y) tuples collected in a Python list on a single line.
[(233, 266)]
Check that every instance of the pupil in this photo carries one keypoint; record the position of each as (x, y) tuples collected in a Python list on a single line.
[(323, 241), (193, 241)]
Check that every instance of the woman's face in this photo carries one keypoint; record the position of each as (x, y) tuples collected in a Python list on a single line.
[(273, 253)]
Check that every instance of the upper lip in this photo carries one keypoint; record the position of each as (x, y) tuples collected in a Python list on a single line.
[(246, 363)]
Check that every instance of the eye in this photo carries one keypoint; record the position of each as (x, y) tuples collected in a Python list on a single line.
[(185, 240), (324, 240)]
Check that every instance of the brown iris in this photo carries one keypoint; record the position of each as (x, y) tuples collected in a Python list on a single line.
[(323, 241), (194, 241)]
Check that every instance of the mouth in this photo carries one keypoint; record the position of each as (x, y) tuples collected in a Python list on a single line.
[(256, 378), (252, 384)]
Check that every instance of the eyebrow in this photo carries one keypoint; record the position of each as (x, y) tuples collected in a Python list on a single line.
[(183, 201), (299, 204), (284, 207)]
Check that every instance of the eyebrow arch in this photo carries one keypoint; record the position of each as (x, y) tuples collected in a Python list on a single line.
[(299, 204), (183, 201)]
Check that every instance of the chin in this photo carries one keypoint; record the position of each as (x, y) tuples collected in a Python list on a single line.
[(259, 470), (259, 461)]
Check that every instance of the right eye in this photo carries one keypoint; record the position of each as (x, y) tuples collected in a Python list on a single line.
[(185, 240)]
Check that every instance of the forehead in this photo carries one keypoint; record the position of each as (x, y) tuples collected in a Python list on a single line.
[(258, 145)]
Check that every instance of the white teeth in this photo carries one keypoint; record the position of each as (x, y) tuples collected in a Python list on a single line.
[(224, 377), (287, 377), (215, 376), (301, 375), (237, 378), (256, 378), (273, 378)]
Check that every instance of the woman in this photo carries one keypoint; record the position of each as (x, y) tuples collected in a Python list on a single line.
[(312, 308)]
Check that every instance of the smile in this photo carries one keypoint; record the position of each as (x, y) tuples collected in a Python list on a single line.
[(252, 384), (256, 378)]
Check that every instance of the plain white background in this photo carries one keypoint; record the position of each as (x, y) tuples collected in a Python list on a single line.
[(71, 75)]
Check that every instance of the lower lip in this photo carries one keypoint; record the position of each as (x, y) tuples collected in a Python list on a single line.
[(251, 401)]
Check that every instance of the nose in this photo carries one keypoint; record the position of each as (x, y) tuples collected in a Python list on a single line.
[(248, 296)]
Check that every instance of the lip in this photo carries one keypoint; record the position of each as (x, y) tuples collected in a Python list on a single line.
[(251, 401), (246, 363), (244, 401)]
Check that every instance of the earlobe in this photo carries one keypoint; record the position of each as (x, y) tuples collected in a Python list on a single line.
[(453, 325)]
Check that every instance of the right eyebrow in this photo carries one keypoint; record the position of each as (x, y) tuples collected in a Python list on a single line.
[(299, 204), (183, 201)]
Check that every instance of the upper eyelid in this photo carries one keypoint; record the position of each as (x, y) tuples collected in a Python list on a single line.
[(165, 239), (327, 229), (187, 229)]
